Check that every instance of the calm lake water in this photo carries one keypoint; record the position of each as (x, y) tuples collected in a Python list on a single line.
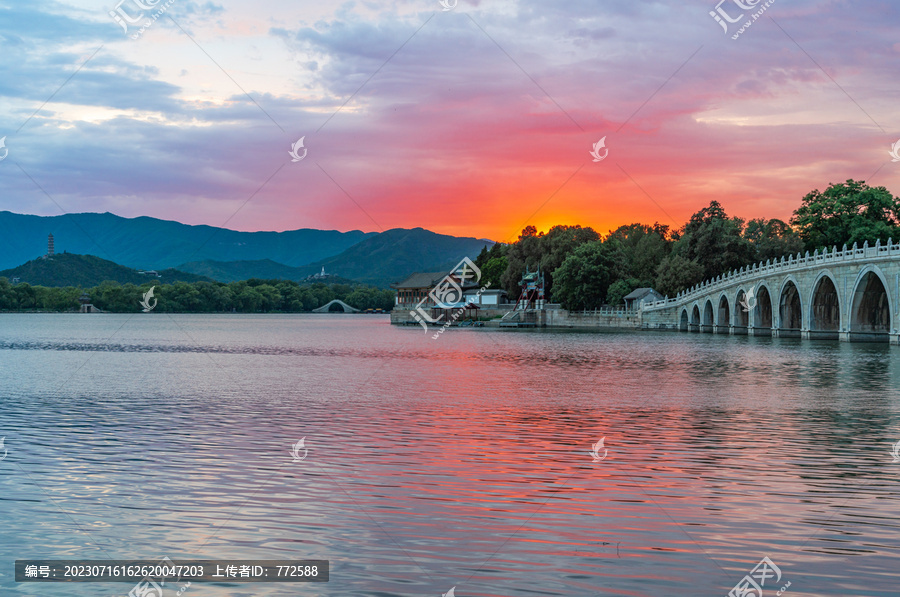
[(462, 462)]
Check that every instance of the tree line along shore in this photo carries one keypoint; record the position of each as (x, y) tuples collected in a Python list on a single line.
[(582, 269), (247, 296)]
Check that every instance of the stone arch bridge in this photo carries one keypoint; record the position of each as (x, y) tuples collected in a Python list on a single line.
[(344, 307), (847, 294)]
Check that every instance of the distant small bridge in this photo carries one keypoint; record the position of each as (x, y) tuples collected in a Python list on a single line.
[(327, 308), (847, 294)]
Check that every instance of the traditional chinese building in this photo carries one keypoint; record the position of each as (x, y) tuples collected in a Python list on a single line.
[(320, 276), (455, 287), (637, 297), (492, 297), (531, 291), (415, 288), (86, 306)]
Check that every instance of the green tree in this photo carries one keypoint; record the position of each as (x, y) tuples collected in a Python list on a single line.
[(7, 295), (387, 300), (310, 301), (25, 296), (247, 296), (524, 253), (677, 273), (772, 239), (619, 289), (57, 299), (248, 300), (271, 298), (545, 252), (714, 241), (361, 298), (291, 297), (215, 296), (644, 248), (557, 244), (850, 212), (492, 271), (583, 279), (322, 294), (497, 250), (180, 297), (114, 297)]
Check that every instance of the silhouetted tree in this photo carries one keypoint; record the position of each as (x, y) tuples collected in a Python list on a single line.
[(846, 213), (772, 239)]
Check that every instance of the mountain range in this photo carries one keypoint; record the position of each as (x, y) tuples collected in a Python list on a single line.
[(86, 271), (392, 255), (150, 243), (227, 255)]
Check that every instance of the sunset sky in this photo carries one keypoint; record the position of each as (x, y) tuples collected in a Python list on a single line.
[(472, 121)]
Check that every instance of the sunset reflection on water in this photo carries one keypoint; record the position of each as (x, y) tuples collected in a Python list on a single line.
[(459, 462)]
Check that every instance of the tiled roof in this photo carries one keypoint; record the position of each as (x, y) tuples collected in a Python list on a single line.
[(638, 293), (420, 280)]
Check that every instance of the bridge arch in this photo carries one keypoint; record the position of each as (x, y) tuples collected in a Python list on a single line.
[(741, 317), (344, 307), (852, 293), (870, 305), (762, 314), (723, 314), (684, 321), (824, 309), (790, 308), (709, 320)]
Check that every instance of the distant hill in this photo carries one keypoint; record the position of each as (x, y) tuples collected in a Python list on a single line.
[(150, 243), (392, 255), (232, 271), (378, 260), (227, 255), (328, 281), (69, 269), (265, 269)]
